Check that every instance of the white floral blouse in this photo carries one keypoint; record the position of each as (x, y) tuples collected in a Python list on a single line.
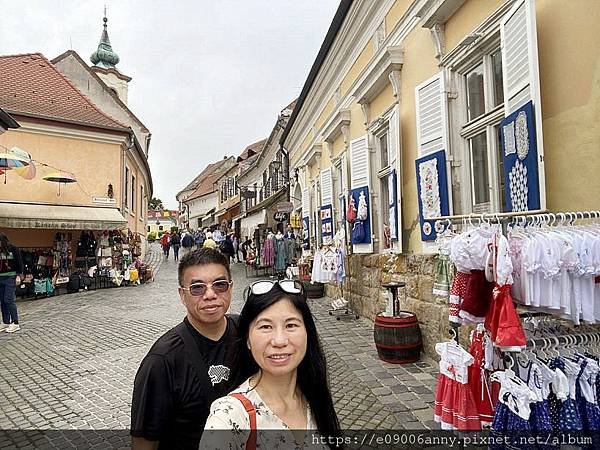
[(228, 425)]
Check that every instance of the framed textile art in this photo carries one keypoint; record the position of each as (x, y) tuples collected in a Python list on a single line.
[(306, 233), (366, 222), (432, 189), (326, 223), (519, 150)]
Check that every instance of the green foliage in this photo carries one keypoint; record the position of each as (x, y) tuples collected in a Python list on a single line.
[(174, 229), (155, 204), (151, 236)]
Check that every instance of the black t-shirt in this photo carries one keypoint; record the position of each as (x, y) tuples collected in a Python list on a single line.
[(173, 390)]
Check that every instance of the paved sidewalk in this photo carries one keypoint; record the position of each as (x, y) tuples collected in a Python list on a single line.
[(71, 367)]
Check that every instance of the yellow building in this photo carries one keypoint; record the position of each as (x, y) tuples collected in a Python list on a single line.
[(96, 143), (405, 95)]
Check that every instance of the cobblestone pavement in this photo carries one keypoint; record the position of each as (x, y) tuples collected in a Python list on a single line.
[(72, 365)]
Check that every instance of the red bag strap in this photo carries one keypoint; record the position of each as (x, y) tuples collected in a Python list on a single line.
[(251, 443)]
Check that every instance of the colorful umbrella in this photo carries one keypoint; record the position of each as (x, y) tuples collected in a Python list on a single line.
[(59, 177), (10, 161), (28, 171)]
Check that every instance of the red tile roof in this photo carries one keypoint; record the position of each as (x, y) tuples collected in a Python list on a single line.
[(252, 149), (32, 86), (204, 183)]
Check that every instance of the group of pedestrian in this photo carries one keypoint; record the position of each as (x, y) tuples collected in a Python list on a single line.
[(218, 380)]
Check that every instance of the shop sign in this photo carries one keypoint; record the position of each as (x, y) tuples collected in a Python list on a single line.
[(280, 216), (104, 200), (285, 207)]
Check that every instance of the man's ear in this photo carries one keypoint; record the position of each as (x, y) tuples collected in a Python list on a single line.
[(181, 295)]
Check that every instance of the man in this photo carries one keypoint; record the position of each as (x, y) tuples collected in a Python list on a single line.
[(188, 367), (187, 242)]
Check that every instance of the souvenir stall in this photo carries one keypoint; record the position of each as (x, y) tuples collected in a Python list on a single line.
[(82, 260), (275, 253), (513, 375)]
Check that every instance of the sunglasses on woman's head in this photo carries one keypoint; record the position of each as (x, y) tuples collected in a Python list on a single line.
[(264, 286), (199, 289)]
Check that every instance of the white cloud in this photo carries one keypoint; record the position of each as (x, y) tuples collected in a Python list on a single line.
[(208, 76)]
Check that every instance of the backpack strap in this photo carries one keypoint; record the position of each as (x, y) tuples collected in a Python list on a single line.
[(251, 410)]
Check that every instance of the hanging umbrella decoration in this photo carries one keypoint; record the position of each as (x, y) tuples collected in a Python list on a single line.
[(10, 160), (60, 176), (28, 172)]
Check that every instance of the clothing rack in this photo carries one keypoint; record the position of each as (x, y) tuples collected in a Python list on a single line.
[(533, 216)]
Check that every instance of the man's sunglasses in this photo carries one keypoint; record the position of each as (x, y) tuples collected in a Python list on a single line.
[(199, 289), (264, 286)]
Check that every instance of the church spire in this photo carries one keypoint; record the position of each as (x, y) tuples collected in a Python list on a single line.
[(105, 57)]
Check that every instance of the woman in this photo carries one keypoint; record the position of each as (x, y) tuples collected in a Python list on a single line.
[(283, 365), (11, 273)]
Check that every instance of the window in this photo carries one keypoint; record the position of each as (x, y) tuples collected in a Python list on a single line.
[(141, 201), (383, 173), (148, 228), (160, 228), (126, 190), (132, 193), (483, 93)]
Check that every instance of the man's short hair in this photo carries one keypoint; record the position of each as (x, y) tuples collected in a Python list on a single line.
[(201, 257)]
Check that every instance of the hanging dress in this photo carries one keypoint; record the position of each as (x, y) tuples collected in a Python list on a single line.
[(455, 407), (280, 254), (511, 419), (478, 377)]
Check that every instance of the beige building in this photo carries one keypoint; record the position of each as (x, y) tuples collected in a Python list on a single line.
[(409, 94), (72, 122)]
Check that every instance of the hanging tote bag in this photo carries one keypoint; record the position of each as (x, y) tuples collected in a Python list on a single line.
[(358, 232), (351, 211)]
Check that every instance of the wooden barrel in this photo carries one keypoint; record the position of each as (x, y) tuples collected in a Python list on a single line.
[(398, 339), (314, 290)]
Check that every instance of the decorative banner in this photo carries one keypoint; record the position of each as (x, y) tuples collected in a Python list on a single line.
[(366, 221), (432, 189), (393, 204), (521, 171), (326, 223), (306, 233)]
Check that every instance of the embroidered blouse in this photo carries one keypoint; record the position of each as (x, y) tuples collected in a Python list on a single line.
[(228, 413)]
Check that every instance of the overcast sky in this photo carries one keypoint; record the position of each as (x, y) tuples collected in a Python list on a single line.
[(209, 77)]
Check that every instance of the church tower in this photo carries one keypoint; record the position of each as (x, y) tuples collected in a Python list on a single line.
[(104, 61)]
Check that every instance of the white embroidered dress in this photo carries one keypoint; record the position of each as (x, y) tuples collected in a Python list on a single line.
[(228, 413)]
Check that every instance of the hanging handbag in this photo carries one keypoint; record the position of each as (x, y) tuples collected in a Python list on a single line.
[(351, 211)]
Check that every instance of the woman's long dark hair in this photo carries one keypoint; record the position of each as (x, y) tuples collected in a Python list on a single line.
[(312, 371)]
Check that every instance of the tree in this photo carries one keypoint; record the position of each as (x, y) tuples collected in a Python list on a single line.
[(155, 204)]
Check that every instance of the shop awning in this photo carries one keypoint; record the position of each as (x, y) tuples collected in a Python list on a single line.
[(253, 220), (59, 217)]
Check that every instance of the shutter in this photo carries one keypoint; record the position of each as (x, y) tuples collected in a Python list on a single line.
[(395, 178), (360, 182), (305, 202), (326, 187), (520, 72), (431, 110), (359, 163)]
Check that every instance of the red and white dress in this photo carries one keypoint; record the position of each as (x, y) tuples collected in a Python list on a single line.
[(478, 377), (455, 407)]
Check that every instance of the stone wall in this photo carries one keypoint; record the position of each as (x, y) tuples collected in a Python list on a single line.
[(366, 273)]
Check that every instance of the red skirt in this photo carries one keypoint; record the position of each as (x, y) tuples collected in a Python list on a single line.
[(503, 321), (478, 296), (455, 407)]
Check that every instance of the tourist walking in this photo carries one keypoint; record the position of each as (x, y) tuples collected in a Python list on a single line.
[(11, 274)]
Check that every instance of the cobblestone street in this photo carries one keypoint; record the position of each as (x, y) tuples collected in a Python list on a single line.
[(72, 365)]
